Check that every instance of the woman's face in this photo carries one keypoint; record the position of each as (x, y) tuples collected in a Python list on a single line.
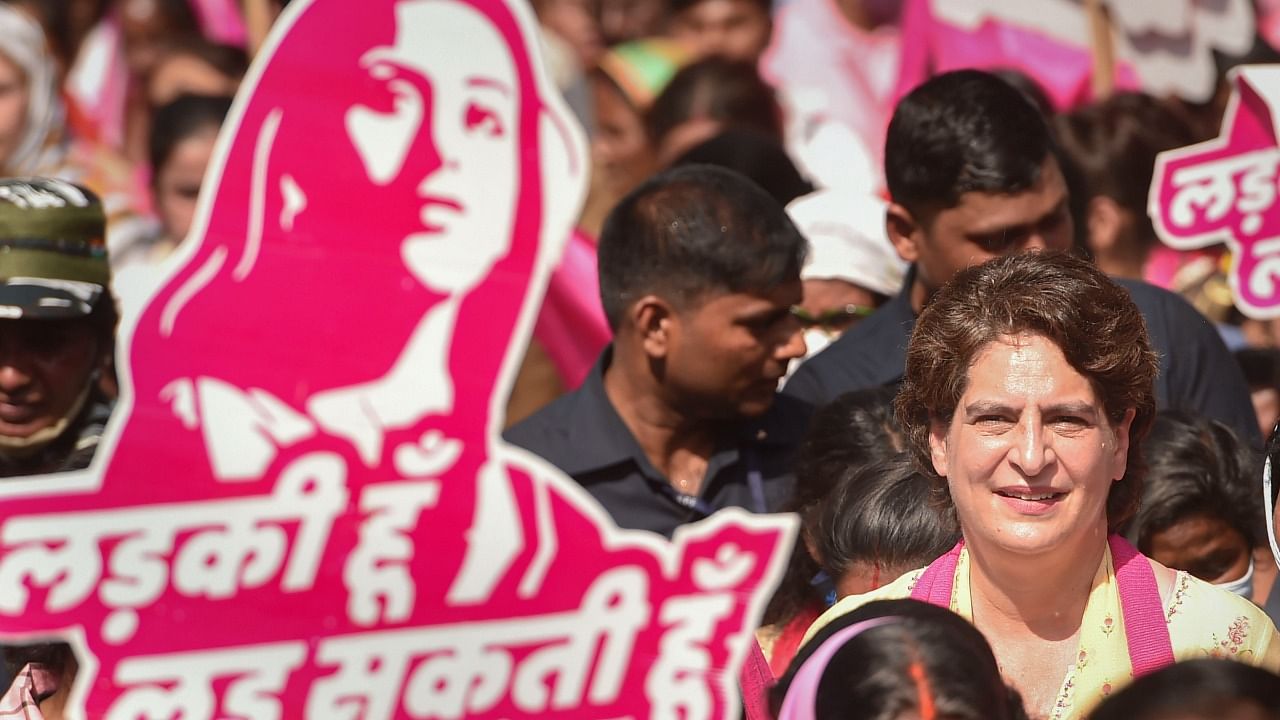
[(177, 182), (13, 108), (621, 145), (452, 132), (1030, 454)]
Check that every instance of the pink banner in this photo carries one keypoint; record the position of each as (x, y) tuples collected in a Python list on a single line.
[(1162, 48), (1224, 191), (303, 507)]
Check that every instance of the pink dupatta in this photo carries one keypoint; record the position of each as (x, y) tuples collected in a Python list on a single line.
[(1145, 628)]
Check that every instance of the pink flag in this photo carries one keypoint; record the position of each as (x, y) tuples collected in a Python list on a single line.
[(1224, 191)]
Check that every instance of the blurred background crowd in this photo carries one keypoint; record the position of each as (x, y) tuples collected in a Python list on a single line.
[(126, 97)]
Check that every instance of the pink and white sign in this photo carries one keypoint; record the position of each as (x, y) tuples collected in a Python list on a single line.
[(303, 507), (1225, 191), (1163, 47)]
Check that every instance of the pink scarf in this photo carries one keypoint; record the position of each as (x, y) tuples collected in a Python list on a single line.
[(1144, 626)]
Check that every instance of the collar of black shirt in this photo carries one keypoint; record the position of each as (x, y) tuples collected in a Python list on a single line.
[(601, 439)]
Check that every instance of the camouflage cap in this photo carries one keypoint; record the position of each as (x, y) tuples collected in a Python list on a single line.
[(53, 252)]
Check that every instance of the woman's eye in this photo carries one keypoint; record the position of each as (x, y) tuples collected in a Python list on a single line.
[(484, 120)]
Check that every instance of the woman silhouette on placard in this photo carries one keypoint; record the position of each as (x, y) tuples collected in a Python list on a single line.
[(363, 264), (380, 215)]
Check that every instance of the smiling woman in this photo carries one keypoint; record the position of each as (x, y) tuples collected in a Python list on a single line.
[(1028, 390)]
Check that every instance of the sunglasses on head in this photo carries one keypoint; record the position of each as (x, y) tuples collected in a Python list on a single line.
[(834, 320)]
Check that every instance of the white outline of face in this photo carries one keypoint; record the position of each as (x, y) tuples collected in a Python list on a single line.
[(470, 106)]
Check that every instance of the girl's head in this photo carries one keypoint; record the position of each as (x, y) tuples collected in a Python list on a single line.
[(1196, 689), (1199, 511), (182, 137), (623, 87), (707, 98), (893, 660), (876, 524)]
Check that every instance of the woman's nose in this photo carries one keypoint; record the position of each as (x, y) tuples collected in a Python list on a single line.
[(1031, 451)]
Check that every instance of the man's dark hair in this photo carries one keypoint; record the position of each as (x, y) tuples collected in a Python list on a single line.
[(959, 132), (758, 156), (692, 230)]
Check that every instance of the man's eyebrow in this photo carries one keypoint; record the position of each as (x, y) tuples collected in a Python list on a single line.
[(489, 83)]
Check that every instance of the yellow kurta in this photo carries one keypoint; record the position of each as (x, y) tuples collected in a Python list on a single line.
[(1204, 621)]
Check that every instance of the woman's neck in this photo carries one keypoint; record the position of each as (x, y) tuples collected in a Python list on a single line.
[(1043, 595)]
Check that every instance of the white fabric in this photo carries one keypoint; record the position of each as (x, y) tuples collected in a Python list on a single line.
[(22, 41), (847, 240)]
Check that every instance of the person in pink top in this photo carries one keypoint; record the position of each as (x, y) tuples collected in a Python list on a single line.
[(835, 64)]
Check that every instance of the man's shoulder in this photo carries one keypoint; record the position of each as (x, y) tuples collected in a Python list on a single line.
[(546, 432), (1157, 303), (787, 420)]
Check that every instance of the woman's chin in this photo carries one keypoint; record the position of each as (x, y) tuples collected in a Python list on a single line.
[(430, 260), (1032, 538)]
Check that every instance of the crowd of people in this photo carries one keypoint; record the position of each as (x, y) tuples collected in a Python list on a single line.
[(1024, 439)]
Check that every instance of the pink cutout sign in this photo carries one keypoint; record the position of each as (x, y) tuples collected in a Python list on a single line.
[(302, 507), (1225, 191)]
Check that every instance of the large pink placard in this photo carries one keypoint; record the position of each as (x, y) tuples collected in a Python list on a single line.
[(1224, 191), (303, 507)]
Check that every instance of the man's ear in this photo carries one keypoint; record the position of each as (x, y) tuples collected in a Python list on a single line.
[(654, 320), (938, 446), (904, 232), (1105, 222)]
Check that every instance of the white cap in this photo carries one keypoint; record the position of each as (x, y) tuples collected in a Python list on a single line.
[(847, 240)]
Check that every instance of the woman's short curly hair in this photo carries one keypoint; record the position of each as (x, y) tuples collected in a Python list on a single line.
[(1055, 295)]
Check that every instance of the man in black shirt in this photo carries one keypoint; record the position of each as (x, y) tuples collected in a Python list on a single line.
[(973, 174), (699, 269)]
